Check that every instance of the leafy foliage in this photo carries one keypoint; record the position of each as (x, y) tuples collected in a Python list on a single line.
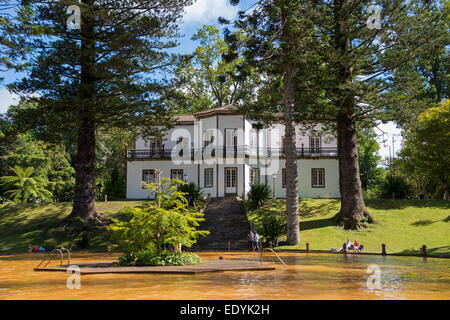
[(425, 156), (24, 187), (271, 227), (192, 193), (158, 223), (150, 258), (395, 187), (258, 194), (368, 158), (208, 80)]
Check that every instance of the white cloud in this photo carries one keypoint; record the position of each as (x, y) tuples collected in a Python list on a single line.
[(204, 11), (385, 141), (6, 99)]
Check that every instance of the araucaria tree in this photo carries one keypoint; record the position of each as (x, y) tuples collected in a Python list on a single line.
[(100, 75), (339, 60), (14, 29), (277, 40), (364, 51)]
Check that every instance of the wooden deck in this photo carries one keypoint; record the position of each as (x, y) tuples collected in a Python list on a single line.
[(206, 266)]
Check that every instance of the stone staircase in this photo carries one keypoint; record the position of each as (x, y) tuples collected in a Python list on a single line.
[(226, 220)]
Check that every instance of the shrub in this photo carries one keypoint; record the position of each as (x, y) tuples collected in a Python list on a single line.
[(372, 193), (395, 187), (150, 258), (258, 194), (64, 191), (272, 226), (192, 193), (156, 224)]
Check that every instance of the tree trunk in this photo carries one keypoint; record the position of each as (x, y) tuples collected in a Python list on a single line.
[(353, 208), (83, 205), (293, 228)]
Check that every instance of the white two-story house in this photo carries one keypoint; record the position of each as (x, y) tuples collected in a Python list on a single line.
[(224, 153)]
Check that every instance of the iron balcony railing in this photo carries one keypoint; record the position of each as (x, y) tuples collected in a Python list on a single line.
[(211, 152)]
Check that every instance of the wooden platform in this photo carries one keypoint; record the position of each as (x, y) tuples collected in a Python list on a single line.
[(206, 266)]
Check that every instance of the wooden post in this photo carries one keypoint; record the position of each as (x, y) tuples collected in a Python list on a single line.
[(307, 247), (229, 246), (424, 250), (383, 249), (106, 198)]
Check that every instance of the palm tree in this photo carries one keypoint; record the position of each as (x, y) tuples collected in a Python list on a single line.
[(22, 186)]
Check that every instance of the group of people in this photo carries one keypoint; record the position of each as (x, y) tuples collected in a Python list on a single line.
[(253, 240), (348, 246)]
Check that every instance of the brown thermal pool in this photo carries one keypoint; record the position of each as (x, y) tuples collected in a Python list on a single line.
[(308, 276)]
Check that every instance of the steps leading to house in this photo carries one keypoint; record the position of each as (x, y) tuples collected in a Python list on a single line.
[(226, 220)]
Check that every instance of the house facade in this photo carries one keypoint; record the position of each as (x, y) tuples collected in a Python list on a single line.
[(224, 153)]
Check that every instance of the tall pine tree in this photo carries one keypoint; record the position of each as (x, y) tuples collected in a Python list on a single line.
[(108, 73), (278, 39), (344, 68)]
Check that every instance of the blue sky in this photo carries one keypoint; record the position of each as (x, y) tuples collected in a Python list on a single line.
[(200, 13)]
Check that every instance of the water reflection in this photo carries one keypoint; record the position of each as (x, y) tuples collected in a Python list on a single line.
[(307, 276)]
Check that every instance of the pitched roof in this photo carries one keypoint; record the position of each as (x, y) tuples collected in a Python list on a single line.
[(185, 119), (228, 109)]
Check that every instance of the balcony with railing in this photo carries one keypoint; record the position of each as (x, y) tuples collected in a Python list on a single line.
[(228, 151)]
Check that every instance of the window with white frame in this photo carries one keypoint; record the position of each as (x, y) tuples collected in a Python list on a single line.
[(208, 177), (283, 178), (254, 176), (253, 139), (315, 144), (208, 137), (148, 176), (318, 178), (176, 174)]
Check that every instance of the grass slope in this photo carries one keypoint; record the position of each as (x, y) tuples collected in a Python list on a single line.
[(403, 225), (40, 224)]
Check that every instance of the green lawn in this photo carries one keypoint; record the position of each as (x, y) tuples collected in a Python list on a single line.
[(40, 224), (403, 225)]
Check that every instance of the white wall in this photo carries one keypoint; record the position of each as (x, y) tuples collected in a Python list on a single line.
[(134, 175), (305, 189)]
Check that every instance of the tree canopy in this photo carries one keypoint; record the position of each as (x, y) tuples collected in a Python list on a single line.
[(106, 74), (426, 149)]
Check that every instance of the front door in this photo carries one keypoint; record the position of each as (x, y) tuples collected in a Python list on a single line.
[(230, 180)]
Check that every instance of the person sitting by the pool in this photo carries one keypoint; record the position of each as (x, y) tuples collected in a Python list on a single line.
[(344, 247), (350, 245), (356, 246)]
